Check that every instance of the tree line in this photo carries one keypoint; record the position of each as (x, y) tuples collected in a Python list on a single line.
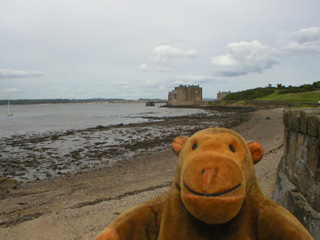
[(280, 89)]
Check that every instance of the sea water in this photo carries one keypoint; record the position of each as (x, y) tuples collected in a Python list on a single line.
[(29, 119), (46, 141)]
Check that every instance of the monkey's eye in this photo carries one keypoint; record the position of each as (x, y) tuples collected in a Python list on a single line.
[(194, 146), (232, 148)]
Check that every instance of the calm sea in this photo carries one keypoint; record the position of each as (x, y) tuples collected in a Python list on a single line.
[(56, 117), (46, 141)]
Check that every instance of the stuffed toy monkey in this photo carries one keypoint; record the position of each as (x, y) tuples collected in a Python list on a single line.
[(214, 195)]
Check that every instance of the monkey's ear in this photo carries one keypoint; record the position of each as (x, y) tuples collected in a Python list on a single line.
[(256, 151), (178, 143)]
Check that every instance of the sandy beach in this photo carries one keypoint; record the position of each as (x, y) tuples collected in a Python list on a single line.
[(80, 206)]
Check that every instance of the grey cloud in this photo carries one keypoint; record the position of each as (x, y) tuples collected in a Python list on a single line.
[(123, 85), (197, 79), (79, 91), (254, 57), (150, 85), (7, 73), (303, 40), (146, 68), (144, 85), (244, 58), (73, 90), (100, 42), (178, 40)]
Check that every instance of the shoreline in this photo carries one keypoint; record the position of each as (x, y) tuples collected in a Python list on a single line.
[(80, 206), (32, 157)]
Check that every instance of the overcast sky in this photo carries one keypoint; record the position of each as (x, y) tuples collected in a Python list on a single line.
[(144, 48)]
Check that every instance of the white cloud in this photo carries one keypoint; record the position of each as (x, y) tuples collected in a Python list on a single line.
[(7, 73), (12, 90), (244, 58), (146, 68), (303, 40), (163, 53), (161, 56)]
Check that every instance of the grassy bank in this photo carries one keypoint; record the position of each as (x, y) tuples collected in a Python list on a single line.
[(297, 97)]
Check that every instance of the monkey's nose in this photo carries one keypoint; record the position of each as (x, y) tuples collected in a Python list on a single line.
[(208, 178)]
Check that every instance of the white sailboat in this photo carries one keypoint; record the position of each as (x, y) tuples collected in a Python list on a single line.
[(9, 113)]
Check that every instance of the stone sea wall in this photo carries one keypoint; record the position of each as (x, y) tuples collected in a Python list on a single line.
[(298, 183)]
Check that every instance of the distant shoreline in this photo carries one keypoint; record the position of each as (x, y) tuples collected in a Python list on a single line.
[(66, 101)]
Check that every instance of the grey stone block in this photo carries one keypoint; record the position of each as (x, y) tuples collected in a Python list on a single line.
[(313, 125), (290, 120), (302, 153), (285, 117), (296, 122), (301, 139), (287, 195), (304, 121), (313, 157), (292, 141), (302, 176)]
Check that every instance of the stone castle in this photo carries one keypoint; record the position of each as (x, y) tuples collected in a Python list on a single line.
[(221, 95), (185, 95)]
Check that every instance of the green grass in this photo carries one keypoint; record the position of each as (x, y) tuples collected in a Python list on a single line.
[(298, 97)]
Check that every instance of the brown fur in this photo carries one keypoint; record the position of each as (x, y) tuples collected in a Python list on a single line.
[(215, 195)]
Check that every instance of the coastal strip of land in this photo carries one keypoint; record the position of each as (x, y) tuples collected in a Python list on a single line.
[(80, 206)]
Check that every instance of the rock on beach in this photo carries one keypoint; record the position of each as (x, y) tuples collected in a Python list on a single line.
[(8, 183)]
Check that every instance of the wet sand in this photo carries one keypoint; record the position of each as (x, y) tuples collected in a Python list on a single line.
[(80, 206)]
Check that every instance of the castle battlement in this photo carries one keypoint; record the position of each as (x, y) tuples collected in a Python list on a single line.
[(185, 95)]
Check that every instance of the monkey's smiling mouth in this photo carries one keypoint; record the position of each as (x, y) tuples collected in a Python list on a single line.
[(213, 194)]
